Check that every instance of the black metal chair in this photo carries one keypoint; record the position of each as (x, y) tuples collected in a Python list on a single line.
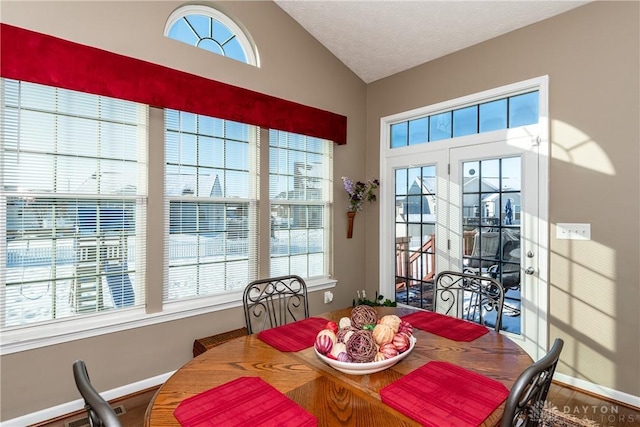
[(496, 257), (526, 400), (507, 271), (99, 411), (470, 297), (274, 302)]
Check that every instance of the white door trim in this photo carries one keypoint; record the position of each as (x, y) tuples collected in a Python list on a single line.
[(417, 154)]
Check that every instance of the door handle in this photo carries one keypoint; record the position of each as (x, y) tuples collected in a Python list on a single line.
[(530, 270)]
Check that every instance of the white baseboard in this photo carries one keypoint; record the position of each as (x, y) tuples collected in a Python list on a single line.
[(606, 392), (77, 405)]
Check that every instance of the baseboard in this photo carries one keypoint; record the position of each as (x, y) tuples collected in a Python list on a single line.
[(604, 392), (78, 405), (120, 392)]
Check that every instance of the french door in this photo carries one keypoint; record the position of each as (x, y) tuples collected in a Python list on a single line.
[(476, 204), (495, 229)]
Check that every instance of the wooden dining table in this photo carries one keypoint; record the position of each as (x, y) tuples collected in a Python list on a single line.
[(335, 398)]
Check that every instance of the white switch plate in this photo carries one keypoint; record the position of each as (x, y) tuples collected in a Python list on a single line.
[(573, 231)]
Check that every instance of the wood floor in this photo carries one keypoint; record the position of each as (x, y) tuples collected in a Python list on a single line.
[(567, 400), (135, 407), (584, 405)]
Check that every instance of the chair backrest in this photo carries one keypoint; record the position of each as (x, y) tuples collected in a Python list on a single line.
[(99, 411), (471, 297), (527, 396), (509, 275), (274, 302), (485, 251)]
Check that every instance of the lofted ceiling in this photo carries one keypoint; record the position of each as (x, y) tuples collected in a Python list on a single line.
[(376, 39)]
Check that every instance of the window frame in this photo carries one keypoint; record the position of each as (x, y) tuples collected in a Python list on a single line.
[(243, 37), (38, 333), (325, 203), (199, 140), (34, 336)]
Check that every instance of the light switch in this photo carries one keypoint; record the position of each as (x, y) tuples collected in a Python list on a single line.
[(573, 231)]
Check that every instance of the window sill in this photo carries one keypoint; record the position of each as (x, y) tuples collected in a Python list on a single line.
[(37, 336)]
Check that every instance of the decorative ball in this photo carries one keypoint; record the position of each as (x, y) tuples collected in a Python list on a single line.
[(338, 348), (405, 327), (323, 344), (389, 350), (363, 315), (344, 334), (330, 334), (401, 342), (361, 347), (391, 320), (344, 357), (382, 334), (344, 322)]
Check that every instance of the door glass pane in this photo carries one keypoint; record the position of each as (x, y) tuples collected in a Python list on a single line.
[(465, 121), (523, 109), (418, 131), (440, 126), (415, 235), (491, 228), (401, 182), (399, 134), (493, 115)]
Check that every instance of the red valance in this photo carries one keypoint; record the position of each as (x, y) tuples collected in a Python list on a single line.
[(39, 58)]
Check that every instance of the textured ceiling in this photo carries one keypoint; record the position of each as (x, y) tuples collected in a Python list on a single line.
[(376, 39)]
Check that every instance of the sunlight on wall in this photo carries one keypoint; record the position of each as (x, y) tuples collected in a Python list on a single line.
[(584, 293), (589, 362), (574, 146)]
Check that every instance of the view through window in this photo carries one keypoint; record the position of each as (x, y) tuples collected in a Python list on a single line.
[(300, 171), (73, 205), (73, 174)]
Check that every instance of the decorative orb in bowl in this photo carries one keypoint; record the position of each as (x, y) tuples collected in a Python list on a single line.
[(354, 368)]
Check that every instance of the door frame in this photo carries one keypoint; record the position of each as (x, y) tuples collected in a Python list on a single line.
[(537, 138)]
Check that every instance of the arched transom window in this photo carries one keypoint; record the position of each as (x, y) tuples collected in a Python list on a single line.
[(211, 30)]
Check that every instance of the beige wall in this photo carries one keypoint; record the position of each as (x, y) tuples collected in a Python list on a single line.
[(592, 57), (295, 67)]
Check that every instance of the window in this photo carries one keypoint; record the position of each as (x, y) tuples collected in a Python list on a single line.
[(211, 195), (212, 198), (81, 252), (415, 232), (300, 183), (510, 112), (74, 232), (72, 203), (211, 30)]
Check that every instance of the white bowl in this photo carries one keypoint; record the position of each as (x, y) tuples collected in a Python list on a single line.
[(369, 367)]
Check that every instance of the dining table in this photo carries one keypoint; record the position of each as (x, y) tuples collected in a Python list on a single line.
[(333, 397)]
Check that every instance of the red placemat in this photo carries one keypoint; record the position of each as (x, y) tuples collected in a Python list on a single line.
[(245, 401), (446, 326), (440, 394), (295, 336)]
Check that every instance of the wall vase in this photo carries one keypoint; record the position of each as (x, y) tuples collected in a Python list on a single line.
[(351, 216)]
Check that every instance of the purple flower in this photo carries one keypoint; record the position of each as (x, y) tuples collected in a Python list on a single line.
[(348, 185), (359, 192)]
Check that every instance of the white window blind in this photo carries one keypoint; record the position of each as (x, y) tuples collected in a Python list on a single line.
[(72, 203), (211, 205), (300, 193)]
